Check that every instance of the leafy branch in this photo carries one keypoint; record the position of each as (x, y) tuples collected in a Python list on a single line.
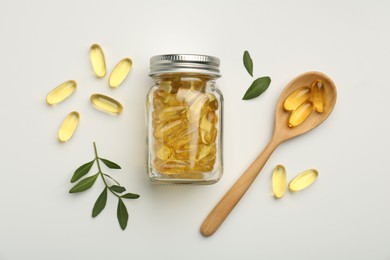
[(116, 190)]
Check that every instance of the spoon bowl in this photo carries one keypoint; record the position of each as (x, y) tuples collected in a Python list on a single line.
[(281, 128), (281, 133)]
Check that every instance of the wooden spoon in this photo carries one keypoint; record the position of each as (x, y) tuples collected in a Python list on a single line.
[(281, 133)]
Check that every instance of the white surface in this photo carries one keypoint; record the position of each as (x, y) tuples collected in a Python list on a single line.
[(344, 215)]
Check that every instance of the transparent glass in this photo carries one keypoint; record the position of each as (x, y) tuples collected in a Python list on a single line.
[(184, 114)]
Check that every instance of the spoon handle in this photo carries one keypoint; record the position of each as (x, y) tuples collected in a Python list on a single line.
[(236, 192)]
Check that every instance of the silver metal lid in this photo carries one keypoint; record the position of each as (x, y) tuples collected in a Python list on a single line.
[(184, 63)]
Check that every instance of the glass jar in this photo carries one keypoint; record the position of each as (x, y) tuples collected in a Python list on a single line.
[(184, 115)]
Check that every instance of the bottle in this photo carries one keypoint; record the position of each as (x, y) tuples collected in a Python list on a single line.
[(184, 120)]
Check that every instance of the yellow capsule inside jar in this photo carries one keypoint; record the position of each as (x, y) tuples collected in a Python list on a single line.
[(184, 120)]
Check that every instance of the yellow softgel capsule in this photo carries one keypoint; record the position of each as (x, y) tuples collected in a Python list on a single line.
[(97, 60), (106, 104), (298, 97), (163, 152), (197, 108), (208, 137), (165, 130), (318, 95), (168, 113), (213, 103), (303, 180), (120, 72), (68, 126), (171, 100), (300, 114), (172, 166), (279, 181), (61, 92), (206, 153)]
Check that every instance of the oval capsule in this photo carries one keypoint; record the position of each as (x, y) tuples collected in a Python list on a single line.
[(303, 180), (298, 97), (97, 60), (279, 181), (120, 72), (300, 114), (68, 126), (106, 104), (319, 95), (61, 92)]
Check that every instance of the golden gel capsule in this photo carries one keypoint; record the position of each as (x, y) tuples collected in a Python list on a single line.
[(120, 72), (318, 95), (97, 60), (295, 99), (213, 103), (106, 104), (168, 113), (61, 92), (303, 180), (168, 129), (300, 114), (69, 126), (163, 152), (279, 181)]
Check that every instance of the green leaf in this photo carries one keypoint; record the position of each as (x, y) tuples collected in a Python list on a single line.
[(81, 171), (122, 214), (130, 196), (257, 88), (116, 188), (100, 203), (248, 63), (84, 184), (110, 164)]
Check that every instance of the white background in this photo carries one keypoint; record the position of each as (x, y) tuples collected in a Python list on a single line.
[(344, 215)]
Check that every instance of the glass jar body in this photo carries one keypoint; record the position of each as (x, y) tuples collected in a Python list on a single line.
[(184, 118)]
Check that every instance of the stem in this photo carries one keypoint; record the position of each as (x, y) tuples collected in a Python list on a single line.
[(108, 176), (100, 170)]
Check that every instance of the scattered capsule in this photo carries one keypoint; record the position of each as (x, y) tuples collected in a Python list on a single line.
[(61, 92), (120, 72), (98, 61), (68, 126), (279, 181), (298, 97), (319, 95), (106, 104), (303, 180), (300, 114)]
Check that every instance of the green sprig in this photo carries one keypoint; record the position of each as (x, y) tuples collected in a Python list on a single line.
[(259, 85), (101, 201)]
